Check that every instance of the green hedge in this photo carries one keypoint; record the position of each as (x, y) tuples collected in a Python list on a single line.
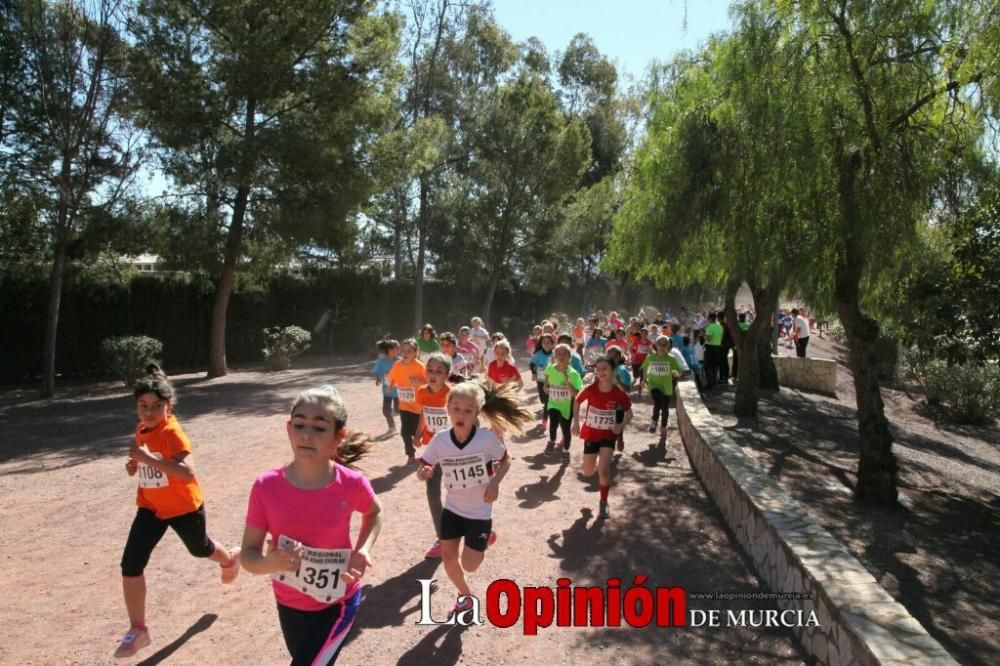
[(177, 311)]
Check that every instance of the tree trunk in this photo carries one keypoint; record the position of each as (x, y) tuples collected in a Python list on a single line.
[(491, 290), (217, 357), (418, 279), (234, 240), (765, 305), (399, 218), (877, 464), (756, 369), (48, 387)]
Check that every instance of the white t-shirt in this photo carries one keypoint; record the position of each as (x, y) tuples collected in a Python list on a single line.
[(480, 337), (676, 353), (465, 469), (803, 325)]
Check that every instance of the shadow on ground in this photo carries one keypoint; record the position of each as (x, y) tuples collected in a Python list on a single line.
[(936, 553), (665, 527), (83, 424)]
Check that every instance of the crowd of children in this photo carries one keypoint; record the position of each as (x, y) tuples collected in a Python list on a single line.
[(457, 397)]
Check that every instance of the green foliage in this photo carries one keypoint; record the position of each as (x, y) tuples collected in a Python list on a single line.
[(283, 343), (941, 290), (970, 391), (126, 357), (837, 332)]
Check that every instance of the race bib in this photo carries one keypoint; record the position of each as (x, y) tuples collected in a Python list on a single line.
[(600, 419), (464, 471), (319, 572), (436, 418), (659, 369), (560, 393), (643, 349), (540, 375), (150, 477), (407, 394)]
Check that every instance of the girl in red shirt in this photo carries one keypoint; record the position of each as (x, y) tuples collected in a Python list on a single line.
[(502, 370), (608, 412)]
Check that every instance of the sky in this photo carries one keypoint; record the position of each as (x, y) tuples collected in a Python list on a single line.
[(632, 32)]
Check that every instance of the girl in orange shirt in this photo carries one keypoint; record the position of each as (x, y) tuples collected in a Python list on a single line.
[(406, 375), (433, 398), (168, 496)]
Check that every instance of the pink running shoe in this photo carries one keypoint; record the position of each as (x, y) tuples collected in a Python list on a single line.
[(491, 539), (460, 607), (136, 639), (434, 552)]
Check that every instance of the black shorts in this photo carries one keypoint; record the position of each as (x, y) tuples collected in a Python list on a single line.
[(147, 530), (475, 532), (595, 447)]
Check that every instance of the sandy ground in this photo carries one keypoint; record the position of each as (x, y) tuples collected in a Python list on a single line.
[(936, 553), (68, 505)]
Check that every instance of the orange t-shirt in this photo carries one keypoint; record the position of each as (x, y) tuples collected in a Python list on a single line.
[(164, 495), (434, 411), (406, 377)]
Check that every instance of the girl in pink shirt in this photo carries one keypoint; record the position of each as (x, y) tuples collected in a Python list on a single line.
[(303, 509)]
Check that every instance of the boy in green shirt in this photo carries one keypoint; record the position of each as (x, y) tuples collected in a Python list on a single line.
[(562, 383), (659, 371)]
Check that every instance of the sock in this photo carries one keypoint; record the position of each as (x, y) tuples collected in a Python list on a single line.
[(604, 492)]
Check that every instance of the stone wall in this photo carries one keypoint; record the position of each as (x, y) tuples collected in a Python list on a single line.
[(808, 374), (860, 623)]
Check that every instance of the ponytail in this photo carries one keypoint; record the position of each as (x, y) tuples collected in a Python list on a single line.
[(354, 448), (503, 407), (357, 445)]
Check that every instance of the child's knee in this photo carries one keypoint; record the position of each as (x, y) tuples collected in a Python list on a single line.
[(471, 560)]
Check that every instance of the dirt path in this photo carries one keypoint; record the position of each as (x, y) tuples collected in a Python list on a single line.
[(937, 553), (68, 505)]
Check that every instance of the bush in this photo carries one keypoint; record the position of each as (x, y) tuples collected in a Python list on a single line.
[(282, 344), (969, 390), (837, 332), (127, 356)]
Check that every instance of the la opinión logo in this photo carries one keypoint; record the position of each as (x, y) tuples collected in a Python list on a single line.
[(566, 605)]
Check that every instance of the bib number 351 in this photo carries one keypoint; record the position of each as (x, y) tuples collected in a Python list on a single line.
[(319, 574)]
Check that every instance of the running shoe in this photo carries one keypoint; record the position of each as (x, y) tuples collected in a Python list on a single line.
[(460, 607), (136, 639), (620, 445), (411, 460), (550, 448), (491, 539), (603, 511), (663, 431), (652, 428), (565, 456), (232, 570), (434, 552)]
